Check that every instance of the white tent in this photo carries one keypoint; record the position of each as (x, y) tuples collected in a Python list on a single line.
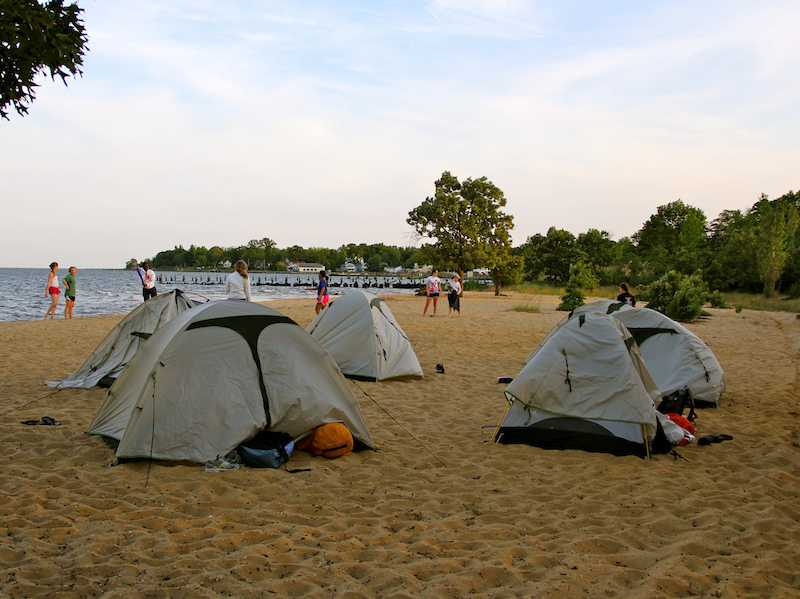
[(359, 331), (586, 388), (215, 376), (115, 351), (675, 356)]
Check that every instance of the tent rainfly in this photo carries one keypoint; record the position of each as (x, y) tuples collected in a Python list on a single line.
[(586, 388), (676, 358), (215, 376), (360, 333), (109, 358)]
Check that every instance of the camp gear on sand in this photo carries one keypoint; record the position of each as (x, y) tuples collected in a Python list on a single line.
[(112, 354), (329, 440), (360, 333), (216, 375), (586, 388)]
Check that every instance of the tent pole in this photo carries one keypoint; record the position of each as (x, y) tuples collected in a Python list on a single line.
[(646, 443), (499, 422)]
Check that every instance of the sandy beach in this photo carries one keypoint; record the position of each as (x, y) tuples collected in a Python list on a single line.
[(459, 517)]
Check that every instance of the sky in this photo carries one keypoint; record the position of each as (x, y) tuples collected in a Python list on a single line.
[(324, 122)]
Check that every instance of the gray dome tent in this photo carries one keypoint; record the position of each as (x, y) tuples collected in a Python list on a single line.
[(586, 388), (676, 358), (117, 348), (218, 374), (360, 333)]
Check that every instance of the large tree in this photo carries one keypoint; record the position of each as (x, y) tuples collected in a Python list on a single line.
[(552, 255), (673, 238), (35, 37), (777, 222), (466, 224)]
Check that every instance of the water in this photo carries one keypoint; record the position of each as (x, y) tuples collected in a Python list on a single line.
[(120, 291)]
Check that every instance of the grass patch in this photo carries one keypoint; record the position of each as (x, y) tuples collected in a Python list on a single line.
[(529, 308), (753, 301)]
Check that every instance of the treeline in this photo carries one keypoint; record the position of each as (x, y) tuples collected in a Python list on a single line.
[(262, 254), (756, 250)]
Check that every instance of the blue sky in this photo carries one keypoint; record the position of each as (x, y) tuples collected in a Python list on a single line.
[(322, 123)]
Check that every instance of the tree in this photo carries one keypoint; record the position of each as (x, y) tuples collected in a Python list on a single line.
[(777, 223), (674, 237), (506, 269), (552, 255), (36, 37), (466, 222)]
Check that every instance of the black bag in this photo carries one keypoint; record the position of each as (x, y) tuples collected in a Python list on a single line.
[(268, 449), (677, 402)]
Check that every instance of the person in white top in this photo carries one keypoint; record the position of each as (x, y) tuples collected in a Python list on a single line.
[(433, 285), (148, 282), (237, 286), (454, 295)]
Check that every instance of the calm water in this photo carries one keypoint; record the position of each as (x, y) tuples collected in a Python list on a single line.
[(120, 291)]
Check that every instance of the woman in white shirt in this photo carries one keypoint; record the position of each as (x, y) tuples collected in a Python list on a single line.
[(237, 286), (454, 295)]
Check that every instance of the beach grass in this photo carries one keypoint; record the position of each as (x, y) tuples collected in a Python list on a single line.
[(525, 307), (756, 301)]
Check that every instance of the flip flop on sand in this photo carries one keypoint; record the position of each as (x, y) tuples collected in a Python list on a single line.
[(49, 421), (709, 439), (31, 422)]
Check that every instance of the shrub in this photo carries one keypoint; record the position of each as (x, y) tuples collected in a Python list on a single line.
[(530, 308), (793, 292), (717, 299), (580, 277), (678, 296)]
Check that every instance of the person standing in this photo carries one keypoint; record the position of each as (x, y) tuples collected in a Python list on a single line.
[(237, 285), (625, 295), (433, 286), (322, 292), (148, 282), (70, 285), (454, 295), (53, 290)]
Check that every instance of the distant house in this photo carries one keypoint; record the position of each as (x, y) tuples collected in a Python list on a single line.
[(353, 265), (305, 266), (226, 264), (478, 272)]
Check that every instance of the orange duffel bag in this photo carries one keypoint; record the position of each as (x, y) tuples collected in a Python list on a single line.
[(330, 440)]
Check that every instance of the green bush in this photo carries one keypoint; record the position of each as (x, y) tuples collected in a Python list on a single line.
[(717, 299), (676, 295), (793, 292), (580, 277)]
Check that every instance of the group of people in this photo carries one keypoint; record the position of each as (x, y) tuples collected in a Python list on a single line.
[(53, 290), (433, 288)]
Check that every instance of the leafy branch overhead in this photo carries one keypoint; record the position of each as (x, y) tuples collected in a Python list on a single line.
[(34, 38)]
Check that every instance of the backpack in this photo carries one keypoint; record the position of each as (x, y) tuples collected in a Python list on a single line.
[(330, 440), (268, 449), (677, 402)]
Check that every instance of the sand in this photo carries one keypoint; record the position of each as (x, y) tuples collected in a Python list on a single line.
[(459, 517)]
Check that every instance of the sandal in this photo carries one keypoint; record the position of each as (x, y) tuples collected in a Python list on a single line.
[(49, 421)]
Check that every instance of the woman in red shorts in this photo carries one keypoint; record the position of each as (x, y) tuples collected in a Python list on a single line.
[(52, 290)]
